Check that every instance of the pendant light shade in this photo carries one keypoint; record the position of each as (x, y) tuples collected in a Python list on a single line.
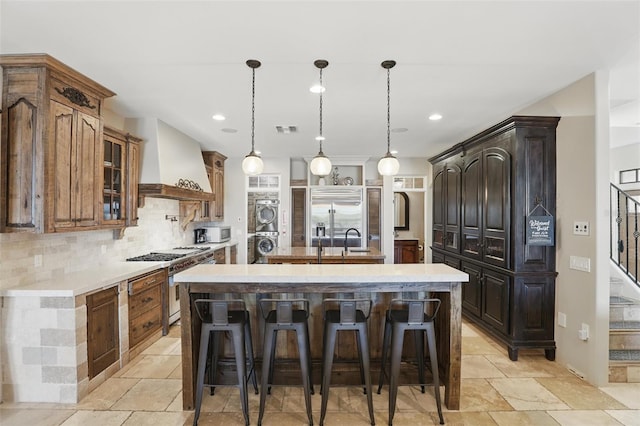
[(388, 165), (252, 164), (320, 165)]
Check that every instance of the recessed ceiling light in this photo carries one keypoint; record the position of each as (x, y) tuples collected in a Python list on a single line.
[(435, 117), (219, 117), (228, 130), (399, 130), (316, 88)]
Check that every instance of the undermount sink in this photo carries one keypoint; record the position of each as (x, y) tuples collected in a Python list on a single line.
[(359, 250)]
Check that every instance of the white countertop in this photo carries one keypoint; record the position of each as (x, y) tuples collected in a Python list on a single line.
[(323, 273), (76, 283)]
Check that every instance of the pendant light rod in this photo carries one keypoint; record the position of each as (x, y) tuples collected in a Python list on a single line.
[(252, 164), (320, 165), (388, 165), (253, 64), (388, 65)]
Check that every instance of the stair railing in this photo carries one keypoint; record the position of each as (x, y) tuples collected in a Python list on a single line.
[(625, 231)]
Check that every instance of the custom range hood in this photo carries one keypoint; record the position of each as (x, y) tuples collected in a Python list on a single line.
[(172, 164)]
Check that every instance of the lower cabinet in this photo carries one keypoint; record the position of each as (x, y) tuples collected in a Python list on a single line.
[(515, 308), (486, 296), (103, 347), (406, 251), (219, 256), (145, 305), (233, 254)]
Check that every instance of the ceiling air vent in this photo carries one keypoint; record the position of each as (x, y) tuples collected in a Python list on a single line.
[(286, 129)]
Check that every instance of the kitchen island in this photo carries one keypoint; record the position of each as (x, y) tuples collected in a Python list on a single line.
[(327, 255), (381, 282)]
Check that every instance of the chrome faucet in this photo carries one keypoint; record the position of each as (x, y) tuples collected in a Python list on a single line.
[(320, 232), (346, 234)]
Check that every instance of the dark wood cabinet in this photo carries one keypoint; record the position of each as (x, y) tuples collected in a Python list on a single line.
[(103, 344), (406, 251), (146, 302), (298, 217), (483, 190), (446, 206)]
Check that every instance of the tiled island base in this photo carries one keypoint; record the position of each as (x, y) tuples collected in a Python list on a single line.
[(44, 348)]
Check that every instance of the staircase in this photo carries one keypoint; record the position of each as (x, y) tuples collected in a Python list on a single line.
[(624, 340)]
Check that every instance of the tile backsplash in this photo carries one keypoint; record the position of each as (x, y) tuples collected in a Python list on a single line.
[(27, 258)]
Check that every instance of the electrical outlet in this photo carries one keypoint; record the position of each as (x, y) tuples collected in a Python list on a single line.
[(103, 249), (580, 263), (581, 228), (37, 260)]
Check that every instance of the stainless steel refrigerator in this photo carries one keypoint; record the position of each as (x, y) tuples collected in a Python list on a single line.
[(338, 209)]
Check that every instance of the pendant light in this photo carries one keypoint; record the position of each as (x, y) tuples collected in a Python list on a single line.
[(320, 165), (388, 165), (252, 164)]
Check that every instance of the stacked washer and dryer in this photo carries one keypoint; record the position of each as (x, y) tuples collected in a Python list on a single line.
[(266, 228)]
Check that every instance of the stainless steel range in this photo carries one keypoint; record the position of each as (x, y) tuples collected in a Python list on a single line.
[(180, 258)]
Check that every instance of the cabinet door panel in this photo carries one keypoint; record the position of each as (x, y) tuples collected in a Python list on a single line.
[(298, 220), (62, 137), (20, 186), (497, 203), (452, 208), (102, 330), (472, 291), (438, 209), (472, 207), (495, 309), (86, 158), (374, 224)]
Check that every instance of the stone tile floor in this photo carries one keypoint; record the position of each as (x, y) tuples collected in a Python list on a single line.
[(495, 391)]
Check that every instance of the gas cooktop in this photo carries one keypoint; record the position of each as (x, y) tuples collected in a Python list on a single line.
[(167, 255)]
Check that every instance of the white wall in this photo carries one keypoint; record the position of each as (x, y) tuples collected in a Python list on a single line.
[(582, 195)]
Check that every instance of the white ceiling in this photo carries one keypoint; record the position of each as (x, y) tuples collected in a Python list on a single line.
[(475, 62)]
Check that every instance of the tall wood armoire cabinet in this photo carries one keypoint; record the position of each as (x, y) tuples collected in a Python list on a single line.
[(483, 190)]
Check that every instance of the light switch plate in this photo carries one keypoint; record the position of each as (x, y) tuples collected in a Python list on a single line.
[(580, 228)]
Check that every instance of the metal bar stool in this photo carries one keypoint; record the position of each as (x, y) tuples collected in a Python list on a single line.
[(403, 315), (285, 314), (216, 317), (342, 314)]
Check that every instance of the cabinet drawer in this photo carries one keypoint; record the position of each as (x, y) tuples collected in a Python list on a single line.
[(144, 325), (141, 284), (144, 301)]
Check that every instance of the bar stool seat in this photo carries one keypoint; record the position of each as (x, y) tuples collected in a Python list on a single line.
[(345, 317), (216, 317), (285, 314), (417, 315)]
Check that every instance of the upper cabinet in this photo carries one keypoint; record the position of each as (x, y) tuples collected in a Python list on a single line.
[(60, 169), (121, 164), (214, 162), (51, 146)]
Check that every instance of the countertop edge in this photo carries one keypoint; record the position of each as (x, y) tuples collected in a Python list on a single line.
[(97, 278)]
